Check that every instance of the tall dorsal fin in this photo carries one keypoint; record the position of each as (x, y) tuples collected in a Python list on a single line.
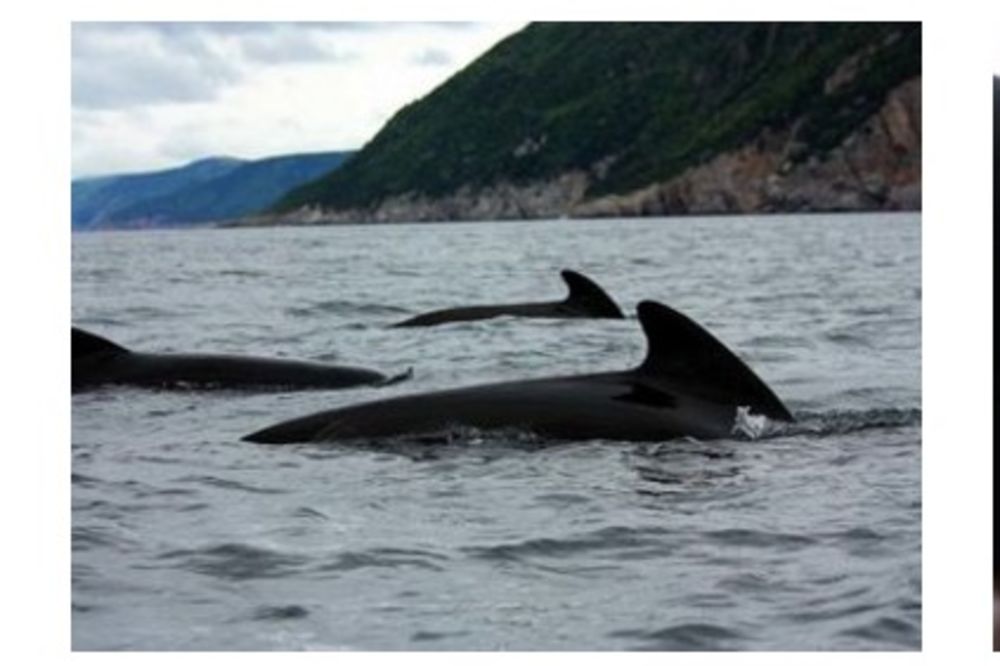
[(681, 350), (584, 294), (85, 344)]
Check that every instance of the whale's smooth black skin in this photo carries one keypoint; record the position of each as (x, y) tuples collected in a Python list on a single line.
[(585, 300), (98, 361), (690, 384), (996, 154)]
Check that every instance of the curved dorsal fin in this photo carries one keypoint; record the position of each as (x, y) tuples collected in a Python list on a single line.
[(681, 350), (85, 344), (584, 294)]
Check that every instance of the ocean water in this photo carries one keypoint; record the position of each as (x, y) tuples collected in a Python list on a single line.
[(806, 538)]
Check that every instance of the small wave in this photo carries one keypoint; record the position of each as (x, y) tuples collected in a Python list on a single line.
[(147, 313), (688, 636), (229, 484), (84, 481), (681, 465), (862, 542), (840, 422), (670, 481), (858, 534), (562, 500), (236, 562), (99, 322), (684, 448), (755, 583), (159, 459), (273, 613), (141, 490), (848, 339), (783, 297), (346, 308), (870, 310), (759, 539), (85, 538), (392, 558), (97, 274), (609, 538), (241, 272), (425, 636), (887, 631), (310, 513), (781, 342), (434, 446), (807, 617), (95, 537)]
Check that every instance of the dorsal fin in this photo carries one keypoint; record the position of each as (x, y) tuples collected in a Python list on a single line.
[(681, 350), (85, 344), (584, 294)]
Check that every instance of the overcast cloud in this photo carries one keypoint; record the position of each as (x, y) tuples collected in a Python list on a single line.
[(155, 95)]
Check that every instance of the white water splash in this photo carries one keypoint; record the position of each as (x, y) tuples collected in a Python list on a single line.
[(749, 425)]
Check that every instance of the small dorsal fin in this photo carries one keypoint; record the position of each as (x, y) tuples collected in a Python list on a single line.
[(681, 350), (584, 294), (86, 343)]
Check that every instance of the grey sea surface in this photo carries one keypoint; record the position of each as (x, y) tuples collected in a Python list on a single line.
[(184, 537)]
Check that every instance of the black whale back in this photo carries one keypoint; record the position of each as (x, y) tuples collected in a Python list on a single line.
[(682, 352), (585, 300), (996, 150)]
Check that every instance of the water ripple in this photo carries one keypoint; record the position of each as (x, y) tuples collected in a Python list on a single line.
[(345, 308), (688, 636), (841, 422), (236, 561), (392, 558), (648, 540), (280, 613), (806, 617), (759, 539), (885, 631), (229, 484)]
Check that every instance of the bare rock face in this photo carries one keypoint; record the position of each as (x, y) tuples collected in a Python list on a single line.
[(502, 201), (877, 167)]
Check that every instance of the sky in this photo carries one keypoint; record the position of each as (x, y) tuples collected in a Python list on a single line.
[(148, 96)]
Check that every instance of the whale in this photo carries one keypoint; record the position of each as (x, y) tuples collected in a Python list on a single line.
[(996, 158), (689, 385), (98, 361), (585, 300)]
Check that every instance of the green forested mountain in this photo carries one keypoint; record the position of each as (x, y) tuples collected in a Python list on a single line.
[(206, 190), (244, 190), (630, 103), (96, 201)]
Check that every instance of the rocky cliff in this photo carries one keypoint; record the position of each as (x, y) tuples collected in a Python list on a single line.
[(877, 167)]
